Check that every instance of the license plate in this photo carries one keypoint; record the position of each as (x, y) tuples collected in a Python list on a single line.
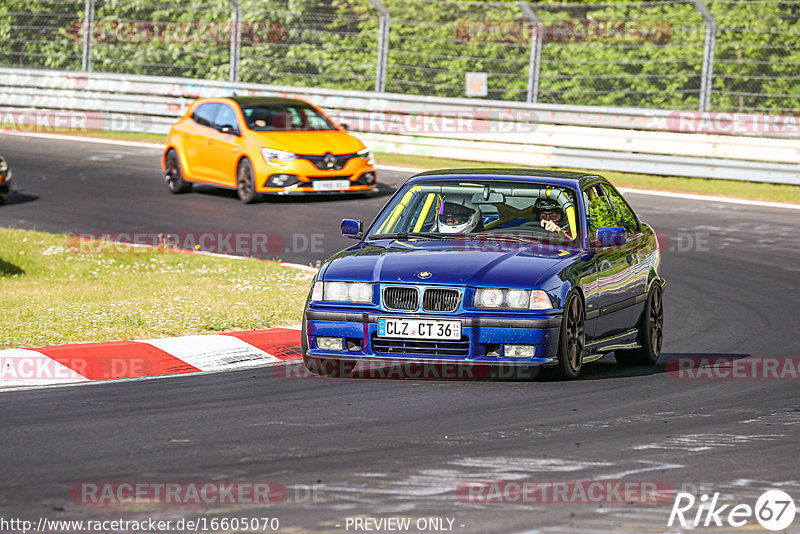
[(418, 328), (331, 185)]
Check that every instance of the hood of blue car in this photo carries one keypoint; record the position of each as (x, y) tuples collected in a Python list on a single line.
[(447, 262)]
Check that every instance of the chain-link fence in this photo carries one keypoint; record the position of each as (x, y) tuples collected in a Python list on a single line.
[(724, 55)]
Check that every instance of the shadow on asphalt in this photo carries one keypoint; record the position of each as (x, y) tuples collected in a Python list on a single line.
[(382, 191), (667, 363), (20, 198), (603, 370), (682, 365)]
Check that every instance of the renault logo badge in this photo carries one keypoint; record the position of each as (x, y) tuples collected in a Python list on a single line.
[(424, 275), (330, 160)]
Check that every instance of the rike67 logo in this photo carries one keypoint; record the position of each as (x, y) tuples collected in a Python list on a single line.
[(774, 510)]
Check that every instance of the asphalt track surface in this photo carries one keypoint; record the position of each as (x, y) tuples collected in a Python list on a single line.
[(400, 448)]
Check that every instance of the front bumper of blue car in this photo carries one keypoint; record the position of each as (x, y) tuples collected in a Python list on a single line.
[(484, 338)]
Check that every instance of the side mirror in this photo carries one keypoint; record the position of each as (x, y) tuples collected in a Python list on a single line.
[(345, 126), (228, 129), (612, 236), (351, 228)]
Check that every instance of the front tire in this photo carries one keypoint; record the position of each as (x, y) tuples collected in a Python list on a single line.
[(651, 332), (572, 339), (245, 183), (174, 175)]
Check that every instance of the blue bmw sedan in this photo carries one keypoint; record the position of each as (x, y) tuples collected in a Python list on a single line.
[(497, 267)]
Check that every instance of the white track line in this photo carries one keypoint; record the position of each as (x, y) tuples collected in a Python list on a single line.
[(709, 198), (687, 196), (58, 137), (300, 267)]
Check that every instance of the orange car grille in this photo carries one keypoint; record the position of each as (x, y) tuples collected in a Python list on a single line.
[(338, 162)]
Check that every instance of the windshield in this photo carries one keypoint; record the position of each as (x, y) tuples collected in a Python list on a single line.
[(284, 117), (489, 209)]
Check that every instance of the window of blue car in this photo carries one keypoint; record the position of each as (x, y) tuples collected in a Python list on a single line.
[(598, 210), (205, 114), (489, 208), (624, 214), (605, 207)]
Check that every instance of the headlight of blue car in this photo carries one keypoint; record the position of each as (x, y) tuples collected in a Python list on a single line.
[(342, 292), (516, 299)]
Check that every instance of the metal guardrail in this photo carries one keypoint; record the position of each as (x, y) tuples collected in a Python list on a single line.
[(722, 55), (729, 146)]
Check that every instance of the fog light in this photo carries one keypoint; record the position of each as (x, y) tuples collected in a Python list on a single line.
[(330, 343), (368, 178), (519, 351), (281, 180)]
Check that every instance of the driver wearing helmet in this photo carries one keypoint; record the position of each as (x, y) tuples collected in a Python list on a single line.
[(458, 216), (551, 216)]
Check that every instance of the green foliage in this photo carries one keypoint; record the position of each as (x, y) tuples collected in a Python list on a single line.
[(600, 215), (616, 54), (624, 215), (35, 34)]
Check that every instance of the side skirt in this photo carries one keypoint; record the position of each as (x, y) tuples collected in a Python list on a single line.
[(625, 340)]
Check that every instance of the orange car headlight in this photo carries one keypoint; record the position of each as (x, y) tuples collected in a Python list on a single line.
[(277, 158), (367, 155)]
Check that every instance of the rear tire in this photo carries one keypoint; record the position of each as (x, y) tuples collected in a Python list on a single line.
[(245, 183), (174, 175), (651, 332), (571, 340)]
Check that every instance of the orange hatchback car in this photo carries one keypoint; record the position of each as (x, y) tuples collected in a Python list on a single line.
[(264, 145)]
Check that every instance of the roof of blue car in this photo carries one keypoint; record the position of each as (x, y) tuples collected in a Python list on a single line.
[(565, 178)]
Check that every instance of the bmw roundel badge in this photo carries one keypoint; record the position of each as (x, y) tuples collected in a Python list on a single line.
[(424, 275)]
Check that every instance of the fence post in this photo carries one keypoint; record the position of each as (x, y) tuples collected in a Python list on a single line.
[(236, 39), (383, 45), (534, 60), (88, 35), (709, 46)]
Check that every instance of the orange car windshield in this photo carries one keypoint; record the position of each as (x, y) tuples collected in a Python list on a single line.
[(285, 117)]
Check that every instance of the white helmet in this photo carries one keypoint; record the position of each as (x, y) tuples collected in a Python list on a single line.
[(457, 216)]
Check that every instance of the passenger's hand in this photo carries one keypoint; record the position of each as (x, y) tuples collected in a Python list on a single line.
[(550, 226)]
